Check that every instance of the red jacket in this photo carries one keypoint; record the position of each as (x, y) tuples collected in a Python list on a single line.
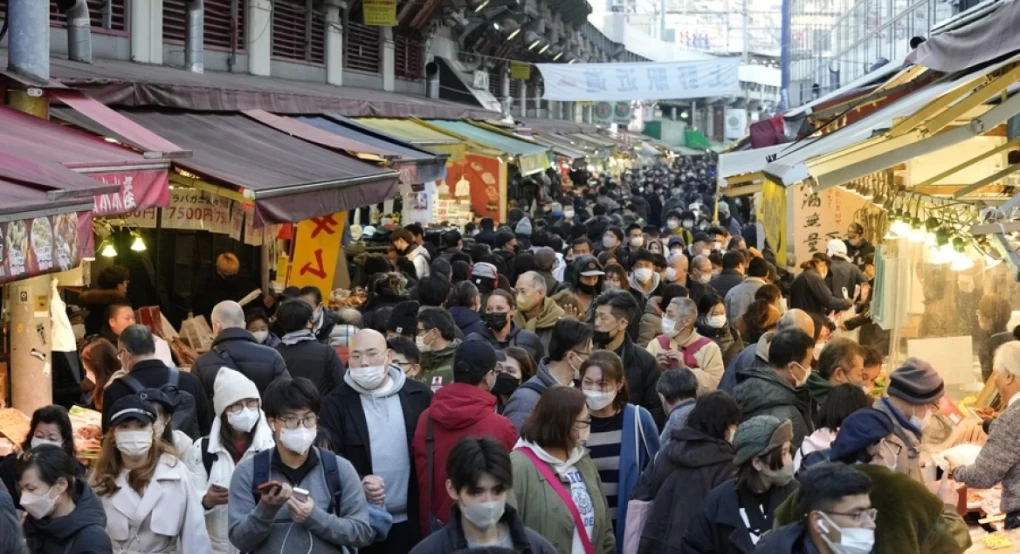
[(457, 411)]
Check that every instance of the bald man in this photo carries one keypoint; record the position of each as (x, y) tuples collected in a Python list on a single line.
[(757, 355), (236, 348), (371, 418)]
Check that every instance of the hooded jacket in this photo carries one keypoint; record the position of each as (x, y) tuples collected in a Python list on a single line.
[(544, 323), (762, 392), (216, 519), (306, 357), (524, 399), (236, 348), (717, 527), (344, 417), (650, 324), (417, 255), (83, 531), (437, 366), (819, 388), (755, 355), (467, 320), (643, 298), (517, 337), (692, 464), (451, 537), (458, 410)]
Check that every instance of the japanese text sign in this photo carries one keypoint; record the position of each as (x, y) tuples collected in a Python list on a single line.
[(380, 13), (193, 209), (138, 190), (819, 217), (640, 81), (316, 250)]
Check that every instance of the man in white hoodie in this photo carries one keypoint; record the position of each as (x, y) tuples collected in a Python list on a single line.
[(371, 418)]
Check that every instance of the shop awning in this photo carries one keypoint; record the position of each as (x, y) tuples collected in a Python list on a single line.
[(288, 179), (531, 158), (418, 135), (555, 125), (457, 83), (599, 141), (694, 139), (559, 148), (852, 88), (733, 164), (415, 166)]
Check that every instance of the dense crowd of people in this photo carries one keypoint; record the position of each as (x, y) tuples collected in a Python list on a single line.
[(625, 370)]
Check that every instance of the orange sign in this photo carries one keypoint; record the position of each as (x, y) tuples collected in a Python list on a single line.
[(317, 248), (488, 183)]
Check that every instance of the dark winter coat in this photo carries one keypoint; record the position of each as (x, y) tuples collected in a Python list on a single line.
[(236, 348), (97, 301), (451, 537), (83, 531), (328, 322), (725, 281), (154, 374), (809, 292), (517, 337), (788, 539), (690, 466), (754, 355), (642, 373), (761, 392), (343, 417), (844, 275), (11, 541), (314, 361), (467, 320), (717, 528), (728, 339)]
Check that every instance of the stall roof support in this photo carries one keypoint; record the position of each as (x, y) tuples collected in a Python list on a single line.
[(974, 187), (959, 167), (984, 93)]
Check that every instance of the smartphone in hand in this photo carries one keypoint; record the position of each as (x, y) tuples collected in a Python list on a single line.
[(270, 487), (299, 493)]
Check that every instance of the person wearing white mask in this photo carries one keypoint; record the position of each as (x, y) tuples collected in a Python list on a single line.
[(623, 438), (778, 389), (913, 389), (238, 433), (296, 497), (150, 504), (371, 419), (258, 325), (681, 346), (62, 514), (479, 476), (50, 425)]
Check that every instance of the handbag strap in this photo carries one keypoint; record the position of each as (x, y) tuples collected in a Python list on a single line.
[(639, 437), (557, 487), (429, 448)]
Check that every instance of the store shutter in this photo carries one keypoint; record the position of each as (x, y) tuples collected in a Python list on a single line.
[(361, 46), (409, 55), (219, 23), (299, 31)]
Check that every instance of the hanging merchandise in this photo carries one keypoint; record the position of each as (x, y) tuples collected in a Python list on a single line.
[(443, 189), (463, 189)]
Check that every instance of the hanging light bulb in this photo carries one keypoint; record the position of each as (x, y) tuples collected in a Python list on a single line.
[(962, 263), (138, 245), (108, 251), (918, 235)]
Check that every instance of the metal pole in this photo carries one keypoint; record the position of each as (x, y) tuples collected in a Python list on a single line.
[(29, 40), (194, 39), (746, 19)]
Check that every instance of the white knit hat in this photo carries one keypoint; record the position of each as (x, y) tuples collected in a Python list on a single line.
[(230, 388)]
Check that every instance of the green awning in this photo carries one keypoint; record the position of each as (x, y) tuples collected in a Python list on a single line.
[(419, 135), (531, 158), (694, 139)]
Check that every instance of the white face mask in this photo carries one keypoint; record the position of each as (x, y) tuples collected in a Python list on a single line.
[(800, 381), (133, 443), (79, 331), (298, 440), (643, 274), (420, 342), (716, 246), (704, 278), (599, 399), (717, 321), (243, 421), (39, 441), (668, 327), (818, 350), (484, 515), (688, 224), (38, 505), (369, 377), (569, 214), (921, 422), (672, 224), (637, 242), (852, 540), (608, 242), (260, 336), (670, 274)]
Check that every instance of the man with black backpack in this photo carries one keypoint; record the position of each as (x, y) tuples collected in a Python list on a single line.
[(296, 497), (136, 350), (236, 348)]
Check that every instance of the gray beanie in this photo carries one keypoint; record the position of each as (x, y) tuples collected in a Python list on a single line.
[(916, 382), (524, 227), (759, 436)]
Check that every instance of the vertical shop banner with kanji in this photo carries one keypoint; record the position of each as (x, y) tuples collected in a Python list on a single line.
[(819, 217), (316, 250), (487, 177), (772, 215)]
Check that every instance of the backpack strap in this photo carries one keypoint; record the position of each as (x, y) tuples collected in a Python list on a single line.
[(331, 471), (692, 349), (133, 383), (260, 475), (532, 386), (173, 377), (557, 487), (208, 458)]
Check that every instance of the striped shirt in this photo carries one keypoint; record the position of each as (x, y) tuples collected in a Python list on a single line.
[(604, 446)]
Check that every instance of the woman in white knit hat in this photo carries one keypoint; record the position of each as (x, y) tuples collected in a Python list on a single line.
[(239, 432)]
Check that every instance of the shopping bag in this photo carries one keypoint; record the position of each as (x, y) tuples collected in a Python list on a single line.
[(637, 515), (196, 333), (153, 318)]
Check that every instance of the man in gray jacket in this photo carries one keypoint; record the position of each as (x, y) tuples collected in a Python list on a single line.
[(268, 514), (741, 296), (569, 346)]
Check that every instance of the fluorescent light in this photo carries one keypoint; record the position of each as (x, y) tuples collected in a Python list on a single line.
[(482, 6), (558, 56), (544, 48), (534, 44), (513, 34)]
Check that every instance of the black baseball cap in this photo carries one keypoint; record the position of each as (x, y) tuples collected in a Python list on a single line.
[(130, 408), (474, 354)]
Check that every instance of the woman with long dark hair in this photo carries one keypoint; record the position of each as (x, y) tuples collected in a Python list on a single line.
[(239, 432), (99, 356), (49, 425), (713, 323)]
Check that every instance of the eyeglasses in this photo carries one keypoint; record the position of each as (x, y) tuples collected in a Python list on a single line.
[(309, 421), (583, 422), (238, 407), (861, 517), (896, 448), (366, 356)]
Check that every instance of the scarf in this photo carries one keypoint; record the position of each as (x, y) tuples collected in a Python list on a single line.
[(550, 314), (295, 337)]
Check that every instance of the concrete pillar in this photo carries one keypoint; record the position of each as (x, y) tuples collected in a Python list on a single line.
[(29, 42), (259, 35), (334, 46), (586, 113), (389, 59), (147, 31), (524, 98), (673, 113), (554, 109), (31, 366), (504, 81)]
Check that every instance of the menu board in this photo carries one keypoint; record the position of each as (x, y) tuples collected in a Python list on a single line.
[(40, 245)]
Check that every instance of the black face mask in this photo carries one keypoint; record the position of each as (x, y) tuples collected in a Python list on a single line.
[(590, 290), (601, 338), (496, 321), (505, 384)]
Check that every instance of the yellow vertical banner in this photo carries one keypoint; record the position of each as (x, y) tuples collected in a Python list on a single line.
[(520, 70), (317, 246), (380, 13), (772, 214)]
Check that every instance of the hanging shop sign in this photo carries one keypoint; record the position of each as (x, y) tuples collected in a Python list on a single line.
[(819, 217), (30, 247), (640, 81), (138, 190), (316, 250), (603, 112), (194, 210), (520, 70), (380, 13), (622, 113)]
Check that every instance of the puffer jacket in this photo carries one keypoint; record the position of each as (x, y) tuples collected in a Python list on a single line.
[(728, 339), (236, 348), (692, 464), (216, 519), (82, 531), (762, 392), (650, 325)]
